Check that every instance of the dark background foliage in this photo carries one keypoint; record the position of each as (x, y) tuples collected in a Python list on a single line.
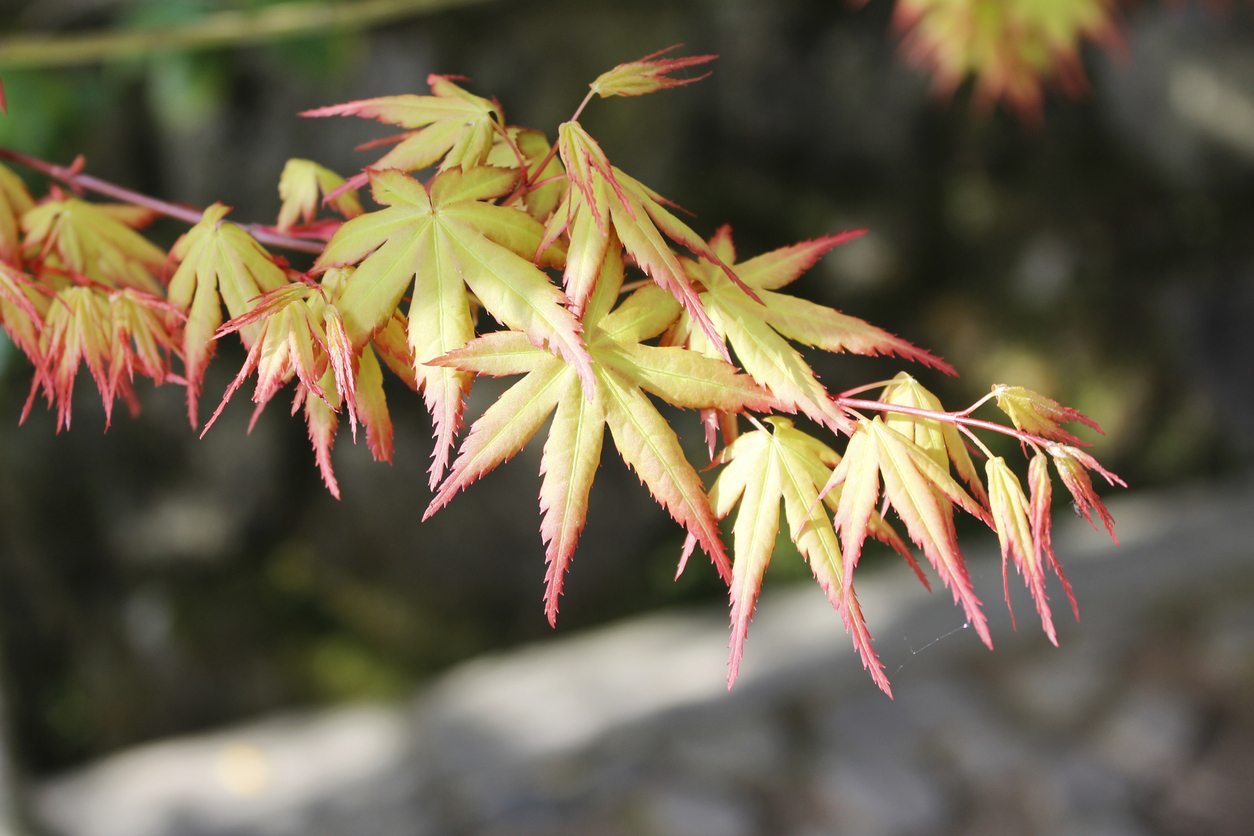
[(151, 583)]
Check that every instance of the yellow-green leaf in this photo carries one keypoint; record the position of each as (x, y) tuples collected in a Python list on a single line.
[(648, 74), (761, 469), (303, 184), (15, 201), (219, 264), (71, 240)]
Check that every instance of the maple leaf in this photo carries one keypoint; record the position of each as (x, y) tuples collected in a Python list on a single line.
[(939, 439), (290, 340), (301, 334), (1018, 526), (1073, 466), (1038, 415), (442, 240), (219, 263), (15, 201), (21, 318), (762, 469), (648, 74), (919, 490), (625, 370), (759, 331), (1039, 504), (452, 127), (302, 184), (117, 334), (141, 341), (544, 170), (601, 199), (1009, 46), (369, 407), (75, 333), (70, 239)]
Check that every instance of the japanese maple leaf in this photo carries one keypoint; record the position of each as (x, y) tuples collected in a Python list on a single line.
[(544, 170), (451, 126), (939, 439), (763, 468), (15, 201), (1073, 467), (759, 331), (76, 332), (301, 334), (73, 241), (441, 240), (219, 263), (20, 314), (648, 74), (625, 369), (1034, 413), (1019, 521), (919, 490), (1010, 47), (601, 199), (368, 405), (302, 185), (142, 343), (290, 340)]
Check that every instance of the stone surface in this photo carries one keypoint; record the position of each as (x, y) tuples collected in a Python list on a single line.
[(1129, 727)]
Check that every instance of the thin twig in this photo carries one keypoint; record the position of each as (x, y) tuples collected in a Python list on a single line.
[(544, 162), (76, 180), (956, 418), (217, 30)]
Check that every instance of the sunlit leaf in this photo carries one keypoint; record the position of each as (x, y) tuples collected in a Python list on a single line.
[(625, 369), (763, 468), (302, 186), (441, 243), (219, 264), (1073, 466), (648, 74), (452, 127), (759, 331), (1034, 413), (76, 242), (15, 201)]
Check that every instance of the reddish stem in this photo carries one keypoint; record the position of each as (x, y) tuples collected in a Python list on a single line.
[(553, 148), (957, 418), (78, 181)]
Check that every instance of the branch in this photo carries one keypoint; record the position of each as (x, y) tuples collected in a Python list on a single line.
[(960, 419), (213, 31), (76, 180)]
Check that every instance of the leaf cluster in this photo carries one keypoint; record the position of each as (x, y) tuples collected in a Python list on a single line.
[(489, 250)]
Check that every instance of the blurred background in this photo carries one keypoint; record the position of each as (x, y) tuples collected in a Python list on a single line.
[(153, 586)]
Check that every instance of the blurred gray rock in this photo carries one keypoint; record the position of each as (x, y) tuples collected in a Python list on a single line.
[(628, 729)]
